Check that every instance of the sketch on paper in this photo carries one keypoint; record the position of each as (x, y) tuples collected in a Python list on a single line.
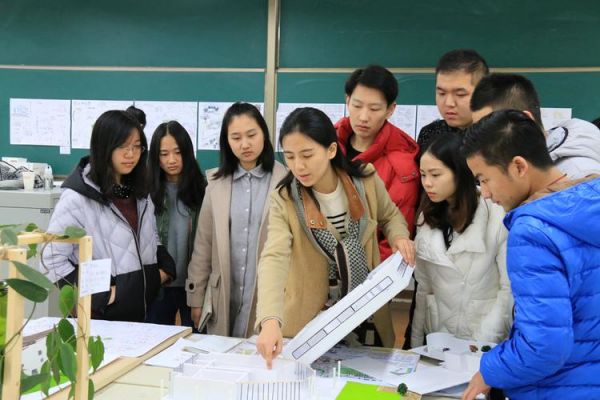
[(84, 114), (157, 112), (405, 118), (40, 122)]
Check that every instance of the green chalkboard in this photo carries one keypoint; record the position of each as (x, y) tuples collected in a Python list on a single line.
[(177, 33), (165, 86), (401, 33), (578, 91)]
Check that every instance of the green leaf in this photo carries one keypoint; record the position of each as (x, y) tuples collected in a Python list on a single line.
[(68, 361), (72, 391), (45, 386), (53, 353), (74, 232), (31, 250), (31, 381), (29, 290), (8, 236), (33, 275), (67, 333), (96, 350), (67, 300), (31, 227), (91, 389)]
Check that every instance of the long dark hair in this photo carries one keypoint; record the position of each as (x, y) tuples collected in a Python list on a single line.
[(316, 125), (192, 183), (228, 161), (111, 130), (440, 215)]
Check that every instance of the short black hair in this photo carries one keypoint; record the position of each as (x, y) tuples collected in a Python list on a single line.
[(228, 161), (374, 77), (138, 114), (504, 91), (465, 60), (596, 122), (505, 134)]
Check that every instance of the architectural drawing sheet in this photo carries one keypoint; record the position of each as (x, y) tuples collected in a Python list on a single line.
[(334, 111), (40, 122), (210, 118), (329, 327), (83, 115), (405, 118), (157, 112)]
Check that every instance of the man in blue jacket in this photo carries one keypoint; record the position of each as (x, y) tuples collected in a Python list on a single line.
[(553, 261)]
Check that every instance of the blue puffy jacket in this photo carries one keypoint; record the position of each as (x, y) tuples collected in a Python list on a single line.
[(553, 262)]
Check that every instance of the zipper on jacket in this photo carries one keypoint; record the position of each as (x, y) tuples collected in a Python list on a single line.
[(137, 247)]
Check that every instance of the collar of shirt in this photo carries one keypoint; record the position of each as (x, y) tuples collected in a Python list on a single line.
[(257, 172)]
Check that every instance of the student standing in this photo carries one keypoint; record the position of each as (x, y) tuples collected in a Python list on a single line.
[(322, 239), (553, 350), (232, 225), (456, 75), (177, 189), (366, 135), (574, 145), (106, 196), (461, 252)]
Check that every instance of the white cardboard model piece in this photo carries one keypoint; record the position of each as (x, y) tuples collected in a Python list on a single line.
[(240, 377), (329, 327)]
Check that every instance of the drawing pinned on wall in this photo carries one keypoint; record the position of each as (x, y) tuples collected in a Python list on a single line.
[(157, 112), (334, 111), (210, 117), (425, 115), (40, 122), (405, 118), (83, 115)]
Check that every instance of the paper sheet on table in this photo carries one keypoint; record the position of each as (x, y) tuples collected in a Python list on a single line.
[(425, 379), (386, 370), (173, 356), (124, 339)]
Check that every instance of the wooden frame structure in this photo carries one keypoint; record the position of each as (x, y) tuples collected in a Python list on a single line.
[(14, 317)]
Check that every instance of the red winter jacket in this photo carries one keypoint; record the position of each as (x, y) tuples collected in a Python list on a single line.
[(393, 154)]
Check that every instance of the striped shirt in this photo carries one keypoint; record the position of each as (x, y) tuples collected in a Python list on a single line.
[(334, 206)]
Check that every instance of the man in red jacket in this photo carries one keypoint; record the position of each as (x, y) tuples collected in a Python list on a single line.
[(366, 135)]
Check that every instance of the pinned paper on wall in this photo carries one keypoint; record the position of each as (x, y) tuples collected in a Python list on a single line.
[(94, 277), (40, 122), (210, 118), (405, 118), (84, 114), (425, 115), (157, 112), (335, 112)]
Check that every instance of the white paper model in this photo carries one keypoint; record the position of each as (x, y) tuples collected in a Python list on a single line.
[(240, 377), (329, 327)]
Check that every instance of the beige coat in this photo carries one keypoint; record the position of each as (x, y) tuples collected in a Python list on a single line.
[(210, 263), (293, 283)]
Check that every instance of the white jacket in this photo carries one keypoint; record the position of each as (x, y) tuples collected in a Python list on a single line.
[(574, 146), (464, 290)]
